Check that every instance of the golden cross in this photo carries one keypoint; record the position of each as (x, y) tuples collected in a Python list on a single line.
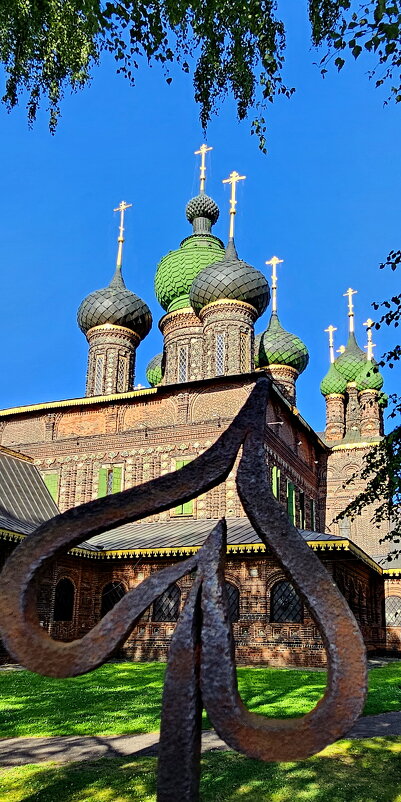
[(202, 153), (331, 330), (371, 345), (349, 294), (341, 349), (233, 178), (121, 208), (274, 261)]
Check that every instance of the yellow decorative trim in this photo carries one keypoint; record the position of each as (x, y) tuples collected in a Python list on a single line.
[(351, 384), (362, 392), (110, 327), (77, 402), (231, 302), (15, 454), (335, 395), (9, 535), (282, 367), (354, 446), (391, 571), (169, 316)]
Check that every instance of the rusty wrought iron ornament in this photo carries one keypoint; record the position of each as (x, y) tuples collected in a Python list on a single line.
[(201, 668)]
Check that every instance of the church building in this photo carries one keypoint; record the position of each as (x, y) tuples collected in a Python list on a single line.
[(117, 437)]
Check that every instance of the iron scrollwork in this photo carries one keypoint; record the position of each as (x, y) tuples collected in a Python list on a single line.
[(201, 668)]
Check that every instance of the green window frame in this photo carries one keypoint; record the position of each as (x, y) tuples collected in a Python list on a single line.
[(291, 501), (52, 481), (188, 507), (276, 481), (109, 480)]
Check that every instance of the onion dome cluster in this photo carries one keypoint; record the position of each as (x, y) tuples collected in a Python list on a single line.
[(155, 370), (116, 305), (351, 366), (230, 278), (177, 270), (276, 346)]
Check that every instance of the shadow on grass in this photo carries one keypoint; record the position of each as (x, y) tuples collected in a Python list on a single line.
[(361, 771)]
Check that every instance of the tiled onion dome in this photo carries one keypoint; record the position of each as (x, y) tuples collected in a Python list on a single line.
[(177, 270), (351, 361), (277, 346), (369, 377), (117, 305), (333, 382), (230, 279), (154, 370), (202, 206)]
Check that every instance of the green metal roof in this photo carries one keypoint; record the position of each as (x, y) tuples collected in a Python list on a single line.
[(333, 382), (177, 270), (351, 361), (369, 377), (154, 370), (277, 346)]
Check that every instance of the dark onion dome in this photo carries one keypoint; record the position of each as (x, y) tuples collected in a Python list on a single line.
[(369, 377), (333, 382), (155, 370), (116, 305), (351, 361), (202, 206), (276, 346), (230, 279)]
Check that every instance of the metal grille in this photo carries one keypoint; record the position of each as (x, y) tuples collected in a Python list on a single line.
[(111, 594), (393, 611), (109, 486), (232, 597), (99, 375), (285, 604), (167, 606), (220, 352), (183, 365), (122, 374)]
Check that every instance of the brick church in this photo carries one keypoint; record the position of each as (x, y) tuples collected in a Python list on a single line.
[(117, 437)]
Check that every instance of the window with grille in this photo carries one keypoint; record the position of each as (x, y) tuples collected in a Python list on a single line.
[(111, 594), (220, 353), (291, 501), (302, 510), (188, 507), (64, 600), (109, 481), (183, 364), (393, 611), (276, 481), (244, 352), (344, 527), (167, 606), (285, 604), (122, 374), (99, 369), (232, 598)]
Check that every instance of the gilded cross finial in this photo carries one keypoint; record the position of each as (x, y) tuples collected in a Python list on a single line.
[(121, 208), (274, 261), (371, 345), (349, 295), (341, 349), (202, 153), (331, 329), (233, 178)]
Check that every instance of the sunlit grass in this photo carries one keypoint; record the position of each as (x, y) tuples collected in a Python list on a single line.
[(348, 771), (126, 698)]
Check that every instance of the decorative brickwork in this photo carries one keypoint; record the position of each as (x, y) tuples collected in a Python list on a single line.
[(183, 344), (335, 417), (228, 337), (285, 377), (111, 359), (371, 415)]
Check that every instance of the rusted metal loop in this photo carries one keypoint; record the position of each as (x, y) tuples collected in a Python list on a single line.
[(255, 735), (19, 623)]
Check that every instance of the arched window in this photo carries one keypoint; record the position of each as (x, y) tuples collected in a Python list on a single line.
[(64, 600), (167, 606), (393, 611), (285, 604), (232, 598), (111, 594)]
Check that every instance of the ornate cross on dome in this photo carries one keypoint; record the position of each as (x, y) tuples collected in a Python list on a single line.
[(274, 261), (341, 349), (349, 294), (121, 208), (331, 329), (233, 178), (371, 345), (202, 153)]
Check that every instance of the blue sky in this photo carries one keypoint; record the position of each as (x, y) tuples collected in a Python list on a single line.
[(326, 199)]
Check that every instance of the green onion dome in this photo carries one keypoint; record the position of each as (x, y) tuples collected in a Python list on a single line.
[(333, 382), (369, 377), (351, 361), (230, 279), (177, 270), (276, 346), (155, 370), (117, 305)]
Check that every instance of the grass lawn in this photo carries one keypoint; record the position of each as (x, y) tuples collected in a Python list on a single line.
[(348, 771), (125, 698)]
